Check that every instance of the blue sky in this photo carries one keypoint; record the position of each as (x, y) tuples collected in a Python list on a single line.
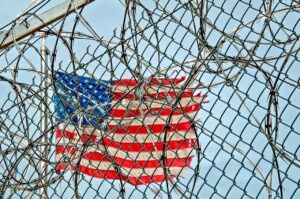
[(225, 119)]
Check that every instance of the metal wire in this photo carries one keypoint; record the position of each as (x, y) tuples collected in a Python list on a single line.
[(242, 55)]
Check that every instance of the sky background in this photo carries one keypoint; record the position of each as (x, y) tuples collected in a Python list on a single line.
[(224, 172)]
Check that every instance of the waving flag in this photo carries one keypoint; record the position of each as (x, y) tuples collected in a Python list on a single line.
[(139, 132)]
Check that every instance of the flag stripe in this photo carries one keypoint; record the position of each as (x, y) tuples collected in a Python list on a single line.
[(152, 81), (68, 132), (132, 172), (117, 113), (109, 174), (148, 89), (151, 96), (134, 155), (115, 175), (136, 104), (136, 147), (70, 152), (147, 147), (127, 171), (154, 128), (150, 119)]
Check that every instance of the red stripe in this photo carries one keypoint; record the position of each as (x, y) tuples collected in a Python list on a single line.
[(121, 113), (163, 81), (136, 164), (85, 137), (121, 95), (163, 95), (148, 179), (154, 128), (125, 82), (65, 149), (61, 133), (61, 166), (171, 144), (153, 81), (150, 96), (88, 138), (148, 147), (112, 174), (98, 173), (68, 134)]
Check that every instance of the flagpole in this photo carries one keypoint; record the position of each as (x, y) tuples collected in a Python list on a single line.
[(44, 123)]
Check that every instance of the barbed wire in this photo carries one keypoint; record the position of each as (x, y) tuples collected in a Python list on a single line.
[(239, 57)]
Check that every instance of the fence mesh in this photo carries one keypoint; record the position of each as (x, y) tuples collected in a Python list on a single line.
[(239, 58)]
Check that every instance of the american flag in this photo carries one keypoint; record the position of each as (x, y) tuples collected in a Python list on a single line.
[(138, 132)]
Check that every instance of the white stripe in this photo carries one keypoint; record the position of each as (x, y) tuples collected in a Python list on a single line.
[(126, 104), (150, 120), (147, 89), (150, 138), (133, 172), (105, 165), (131, 155), (140, 121), (129, 172), (130, 138)]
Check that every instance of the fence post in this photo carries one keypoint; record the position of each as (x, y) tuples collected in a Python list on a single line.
[(44, 122)]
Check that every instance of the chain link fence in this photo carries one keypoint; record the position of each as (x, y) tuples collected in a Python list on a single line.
[(239, 60)]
